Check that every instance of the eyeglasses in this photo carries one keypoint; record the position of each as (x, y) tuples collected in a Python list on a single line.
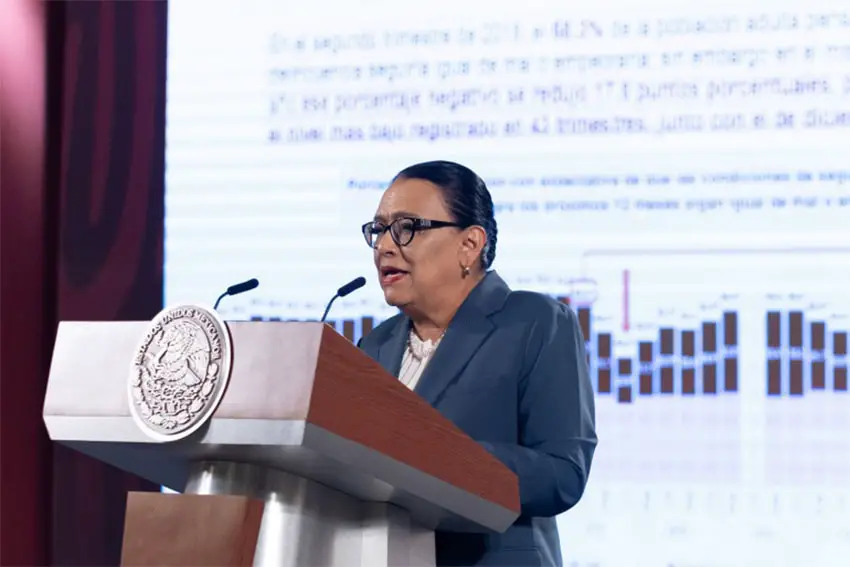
[(402, 229)]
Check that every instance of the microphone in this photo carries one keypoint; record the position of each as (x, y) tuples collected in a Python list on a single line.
[(348, 288), (236, 289)]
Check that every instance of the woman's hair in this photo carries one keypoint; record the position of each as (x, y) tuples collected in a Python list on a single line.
[(466, 196)]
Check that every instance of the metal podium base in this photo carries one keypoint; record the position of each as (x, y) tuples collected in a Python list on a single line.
[(308, 524)]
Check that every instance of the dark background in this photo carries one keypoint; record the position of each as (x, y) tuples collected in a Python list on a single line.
[(82, 110)]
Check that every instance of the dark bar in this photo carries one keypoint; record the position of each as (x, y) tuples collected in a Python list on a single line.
[(348, 329), (730, 354), (666, 379), (709, 349), (584, 325), (774, 360), (624, 367), (366, 326), (839, 344), (624, 394), (645, 368), (584, 322), (709, 378), (795, 354), (709, 337), (840, 378), (666, 339), (730, 329), (603, 363), (818, 363), (688, 372), (666, 351), (730, 374), (839, 370)]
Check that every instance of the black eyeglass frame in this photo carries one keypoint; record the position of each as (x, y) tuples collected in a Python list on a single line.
[(418, 225)]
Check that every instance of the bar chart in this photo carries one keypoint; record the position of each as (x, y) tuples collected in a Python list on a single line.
[(804, 354), (808, 404), (668, 364)]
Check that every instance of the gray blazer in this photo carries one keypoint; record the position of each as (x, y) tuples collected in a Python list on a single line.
[(511, 372)]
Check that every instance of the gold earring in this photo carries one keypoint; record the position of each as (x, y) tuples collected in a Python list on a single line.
[(464, 270)]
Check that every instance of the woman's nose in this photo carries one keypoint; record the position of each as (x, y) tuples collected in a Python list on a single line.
[(384, 244)]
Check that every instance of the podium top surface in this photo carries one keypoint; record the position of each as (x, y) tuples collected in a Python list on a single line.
[(301, 398)]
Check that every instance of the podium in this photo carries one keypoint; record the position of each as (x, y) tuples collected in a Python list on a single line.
[(311, 453)]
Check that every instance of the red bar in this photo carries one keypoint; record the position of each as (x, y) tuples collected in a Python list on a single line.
[(688, 381), (603, 361), (666, 379), (604, 379), (584, 322), (840, 378), (818, 375), (688, 372), (624, 394), (730, 374), (645, 368), (796, 379), (774, 377), (348, 329), (839, 344), (366, 326), (730, 329), (795, 363), (709, 378), (646, 384), (709, 337), (666, 340)]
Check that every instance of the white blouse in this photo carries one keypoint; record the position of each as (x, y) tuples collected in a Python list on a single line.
[(416, 357)]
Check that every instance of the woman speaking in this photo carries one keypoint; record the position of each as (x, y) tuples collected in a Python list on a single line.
[(507, 367)]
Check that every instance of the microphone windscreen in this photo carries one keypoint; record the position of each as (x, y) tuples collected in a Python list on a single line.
[(236, 289), (353, 285)]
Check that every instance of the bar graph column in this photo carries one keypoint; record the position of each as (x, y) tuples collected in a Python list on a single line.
[(583, 314), (839, 353), (730, 351), (688, 369), (665, 359), (774, 353), (603, 363), (709, 356), (624, 387), (802, 360), (795, 353), (817, 362), (645, 368)]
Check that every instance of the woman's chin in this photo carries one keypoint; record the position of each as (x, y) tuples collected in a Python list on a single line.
[(395, 297)]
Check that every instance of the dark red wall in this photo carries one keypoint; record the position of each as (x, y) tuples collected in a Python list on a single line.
[(25, 315), (81, 238)]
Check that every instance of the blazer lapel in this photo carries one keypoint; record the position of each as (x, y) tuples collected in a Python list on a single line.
[(391, 352), (469, 328)]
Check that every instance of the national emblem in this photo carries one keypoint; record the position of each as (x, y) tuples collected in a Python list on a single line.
[(180, 372)]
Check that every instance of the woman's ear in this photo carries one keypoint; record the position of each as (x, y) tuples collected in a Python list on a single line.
[(472, 242)]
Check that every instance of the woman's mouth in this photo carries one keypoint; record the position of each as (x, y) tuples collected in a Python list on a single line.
[(391, 276)]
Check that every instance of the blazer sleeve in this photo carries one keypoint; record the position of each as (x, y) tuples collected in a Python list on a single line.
[(557, 430)]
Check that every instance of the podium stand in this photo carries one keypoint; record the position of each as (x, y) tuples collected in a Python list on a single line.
[(313, 455)]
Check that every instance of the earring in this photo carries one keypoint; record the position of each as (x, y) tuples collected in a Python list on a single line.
[(464, 270)]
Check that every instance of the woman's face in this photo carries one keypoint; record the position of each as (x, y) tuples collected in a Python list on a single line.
[(431, 264)]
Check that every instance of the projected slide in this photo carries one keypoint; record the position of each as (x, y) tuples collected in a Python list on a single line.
[(678, 172)]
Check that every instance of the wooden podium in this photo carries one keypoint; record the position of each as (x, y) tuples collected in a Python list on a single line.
[(313, 456)]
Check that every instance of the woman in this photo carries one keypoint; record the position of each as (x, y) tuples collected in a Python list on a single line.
[(508, 367)]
